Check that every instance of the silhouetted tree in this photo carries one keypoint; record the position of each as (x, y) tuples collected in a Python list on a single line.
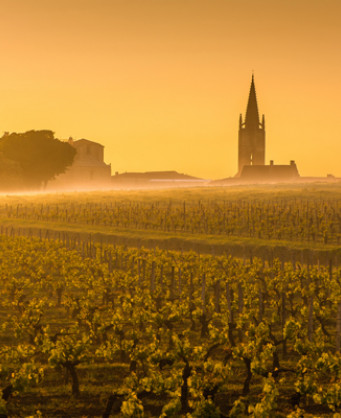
[(11, 177), (39, 154)]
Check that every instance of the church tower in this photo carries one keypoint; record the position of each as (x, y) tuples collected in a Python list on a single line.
[(251, 146)]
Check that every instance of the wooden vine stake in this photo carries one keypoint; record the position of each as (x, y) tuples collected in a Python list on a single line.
[(311, 318), (229, 302), (152, 278), (139, 272), (283, 320), (171, 290), (191, 287), (217, 296), (338, 327), (203, 293), (161, 279), (240, 298), (261, 304), (180, 283)]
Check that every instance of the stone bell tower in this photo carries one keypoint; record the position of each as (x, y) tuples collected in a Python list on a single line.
[(251, 146)]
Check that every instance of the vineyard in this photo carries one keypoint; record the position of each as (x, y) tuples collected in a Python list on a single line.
[(313, 218), (91, 329), (156, 333)]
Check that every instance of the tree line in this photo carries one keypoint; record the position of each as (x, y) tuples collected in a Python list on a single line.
[(29, 160)]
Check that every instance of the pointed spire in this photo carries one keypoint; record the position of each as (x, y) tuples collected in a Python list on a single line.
[(252, 117)]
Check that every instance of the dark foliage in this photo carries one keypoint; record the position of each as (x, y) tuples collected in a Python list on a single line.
[(39, 154)]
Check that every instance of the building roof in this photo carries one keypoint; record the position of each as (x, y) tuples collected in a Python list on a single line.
[(252, 116), (86, 141), (154, 176), (270, 172)]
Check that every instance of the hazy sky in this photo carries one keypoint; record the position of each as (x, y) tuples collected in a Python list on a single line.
[(161, 83)]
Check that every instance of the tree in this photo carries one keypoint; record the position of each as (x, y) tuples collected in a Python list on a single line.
[(40, 155), (10, 174)]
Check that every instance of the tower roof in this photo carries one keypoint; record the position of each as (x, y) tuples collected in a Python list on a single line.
[(252, 117)]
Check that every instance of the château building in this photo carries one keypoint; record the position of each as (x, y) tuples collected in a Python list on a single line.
[(88, 169)]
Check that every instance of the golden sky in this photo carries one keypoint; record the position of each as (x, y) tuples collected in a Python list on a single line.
[(161, 83)]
